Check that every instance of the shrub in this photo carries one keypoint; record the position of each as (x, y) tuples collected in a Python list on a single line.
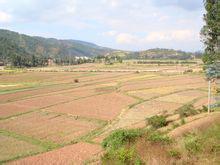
[(174, 153), (183, 121), (159, 137), (175, 125), (76, 80), (187, 110), (192, 143), (120, 137), (188, 71), (157, 121), (218, 90), (122, 155), (125, 155), (204, 108)]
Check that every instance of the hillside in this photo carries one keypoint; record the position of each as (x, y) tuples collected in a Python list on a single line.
[(23, 50), (159, 53), (12, 43)]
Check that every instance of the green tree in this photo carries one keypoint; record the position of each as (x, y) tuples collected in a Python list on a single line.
[(210, 32)]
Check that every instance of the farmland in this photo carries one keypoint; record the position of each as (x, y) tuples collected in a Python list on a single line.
[(45, 112)]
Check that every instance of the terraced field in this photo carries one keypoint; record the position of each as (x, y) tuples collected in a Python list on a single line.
[(48, 110)]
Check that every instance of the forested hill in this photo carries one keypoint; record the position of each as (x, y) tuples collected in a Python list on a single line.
[(23, 50), (15, 44), (159, 53)]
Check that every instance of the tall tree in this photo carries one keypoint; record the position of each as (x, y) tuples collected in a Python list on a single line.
[(210, 32)]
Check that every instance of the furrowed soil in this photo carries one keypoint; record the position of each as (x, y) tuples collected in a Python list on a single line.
[(47, 106)]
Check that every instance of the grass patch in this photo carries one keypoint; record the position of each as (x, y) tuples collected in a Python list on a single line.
[(174, 153), (157, 137), (192, 144), (47, 145)]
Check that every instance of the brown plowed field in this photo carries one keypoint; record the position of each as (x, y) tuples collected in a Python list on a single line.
[(50, 107), (75, 154), (105, 106), (168, 81), (59, 129), (13, 109), (11, 148)]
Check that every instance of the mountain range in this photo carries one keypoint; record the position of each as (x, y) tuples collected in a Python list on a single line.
[(21, 45)]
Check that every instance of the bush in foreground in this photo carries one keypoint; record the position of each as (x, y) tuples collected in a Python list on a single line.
[(187, 110), (157, 121), (120, 137)]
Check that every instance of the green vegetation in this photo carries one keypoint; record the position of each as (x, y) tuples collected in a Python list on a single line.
[(187, 110), (163, 54), (119, 147), (156, 136), (174, 153), (157, 121), (26, 51), (120, 138), (47, 145), (192, 143), (211, 31)]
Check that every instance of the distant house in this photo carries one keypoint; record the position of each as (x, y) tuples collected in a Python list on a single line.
[(50, 62), (1, 63)]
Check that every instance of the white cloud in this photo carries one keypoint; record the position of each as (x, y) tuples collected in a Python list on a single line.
[(110, 33), (175, 35), (156, 36), (112, 3), (126, 38), (2, 1), (5, 17)]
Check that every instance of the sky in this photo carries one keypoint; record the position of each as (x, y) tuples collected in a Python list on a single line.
[(119, 24)]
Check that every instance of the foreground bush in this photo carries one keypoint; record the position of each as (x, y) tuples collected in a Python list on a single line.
[(158, 137), (187, 110), (192, 143), (120, 137), (157, 121), (119, 148)]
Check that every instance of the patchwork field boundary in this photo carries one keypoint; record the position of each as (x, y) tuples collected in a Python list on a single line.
[(45, 145), (64, 102), (51, 93), (114, 122)]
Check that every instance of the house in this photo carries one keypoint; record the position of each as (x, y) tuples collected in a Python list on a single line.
[(50, 62)]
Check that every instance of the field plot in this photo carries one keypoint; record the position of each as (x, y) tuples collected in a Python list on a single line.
[(73, 154), (84, 80), (11, 148), (50, 107), (22, 106), (146, 109), (183, 97), (105, 106), (11, 109), (163, 81), (60, 129)]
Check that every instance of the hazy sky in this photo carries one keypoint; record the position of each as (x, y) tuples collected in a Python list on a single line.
[(121, 24)]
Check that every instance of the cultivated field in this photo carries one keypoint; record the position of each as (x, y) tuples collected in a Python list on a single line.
[(46, 109)]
